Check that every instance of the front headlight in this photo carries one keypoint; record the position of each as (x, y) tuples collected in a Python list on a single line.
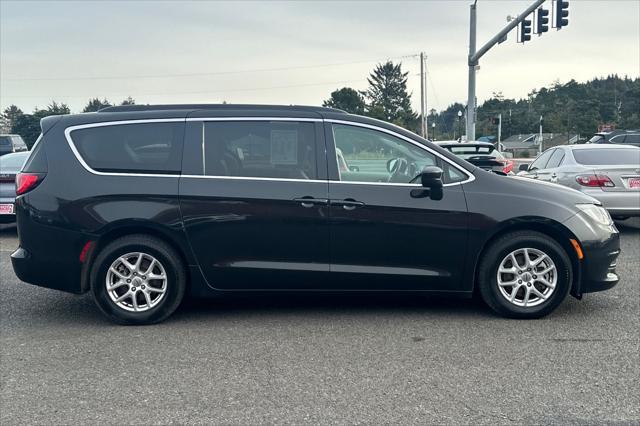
[(598, 214)]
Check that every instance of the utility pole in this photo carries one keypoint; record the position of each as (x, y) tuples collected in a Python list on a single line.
[(423, 98), (540, 144), (499, 129), (426, 101), (475, 55)]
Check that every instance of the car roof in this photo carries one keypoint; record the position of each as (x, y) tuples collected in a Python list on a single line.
[(595, 146), (220, 107)]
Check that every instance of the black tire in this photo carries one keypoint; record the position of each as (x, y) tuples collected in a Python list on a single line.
[(165, 254), (508, 243)]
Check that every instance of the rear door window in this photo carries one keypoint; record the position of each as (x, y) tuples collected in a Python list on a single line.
[(608, 156), (260, 149), (632, 139), (132, 148), (541, 162), (556, 159), (617, 139)]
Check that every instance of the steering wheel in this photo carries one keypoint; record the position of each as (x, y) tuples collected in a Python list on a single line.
[(399, 169)]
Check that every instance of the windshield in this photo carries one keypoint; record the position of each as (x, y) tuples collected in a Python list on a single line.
[(466, 152), (609, 156)]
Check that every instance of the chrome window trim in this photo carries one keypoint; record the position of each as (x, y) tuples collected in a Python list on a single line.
[(67, 135), (253, 178), (470, 176), (68, 130), (306, 119)]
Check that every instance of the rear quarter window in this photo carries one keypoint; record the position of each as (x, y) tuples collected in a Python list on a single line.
[(132, 148)]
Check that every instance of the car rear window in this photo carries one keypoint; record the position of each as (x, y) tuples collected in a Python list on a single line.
[(132, 148), (479, 151), (610, 157), (5, 140)]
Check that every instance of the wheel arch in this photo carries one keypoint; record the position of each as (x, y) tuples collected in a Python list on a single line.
[(119, 229), (553, 229)]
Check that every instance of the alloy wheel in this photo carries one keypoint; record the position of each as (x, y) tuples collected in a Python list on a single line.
[(136, 282), (527, 277)]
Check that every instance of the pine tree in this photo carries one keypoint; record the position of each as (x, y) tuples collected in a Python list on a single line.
[(388, 96), (346, 99)]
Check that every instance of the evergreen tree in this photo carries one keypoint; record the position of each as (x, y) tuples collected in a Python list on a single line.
[(346, 99), (388, 96), (10, 117), (96, 104)]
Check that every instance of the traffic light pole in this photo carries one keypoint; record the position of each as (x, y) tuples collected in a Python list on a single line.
[(474, 58)]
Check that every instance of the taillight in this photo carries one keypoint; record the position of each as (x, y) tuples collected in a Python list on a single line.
[(597, 181), (508, 166), (25, 182)]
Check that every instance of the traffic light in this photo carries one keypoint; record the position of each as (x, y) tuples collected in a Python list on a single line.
[(525, 30), (562, 13), (542, 21)]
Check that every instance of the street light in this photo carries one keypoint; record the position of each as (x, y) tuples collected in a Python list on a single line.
[(459, 118), (433, 130)]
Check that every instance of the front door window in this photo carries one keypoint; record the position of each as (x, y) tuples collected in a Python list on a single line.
[(366, 155)]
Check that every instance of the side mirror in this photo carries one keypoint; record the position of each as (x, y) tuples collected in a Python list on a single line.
[(523, 168), (431, 177), (432, 186)]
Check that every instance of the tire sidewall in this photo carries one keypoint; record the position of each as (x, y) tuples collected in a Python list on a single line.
[(170, 301), (489, 282)]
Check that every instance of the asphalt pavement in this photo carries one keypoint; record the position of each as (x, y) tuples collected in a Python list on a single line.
[(321, 359)]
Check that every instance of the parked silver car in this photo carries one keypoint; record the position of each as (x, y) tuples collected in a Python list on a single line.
[(10, 165), (610, 173)]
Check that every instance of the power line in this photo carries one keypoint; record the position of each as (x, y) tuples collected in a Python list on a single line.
[(202, 74), (206, 92)]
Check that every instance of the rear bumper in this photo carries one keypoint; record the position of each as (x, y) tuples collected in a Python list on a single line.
[(30, 269), (48, 254), (7, 218), (618, 203)]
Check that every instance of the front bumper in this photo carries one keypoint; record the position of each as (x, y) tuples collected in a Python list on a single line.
[(599, 266), (600, 245)]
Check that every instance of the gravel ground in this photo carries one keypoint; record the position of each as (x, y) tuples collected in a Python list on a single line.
[(321, 359)]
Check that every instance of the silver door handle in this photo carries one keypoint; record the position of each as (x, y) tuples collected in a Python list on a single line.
[(347, 204), (308, 202)]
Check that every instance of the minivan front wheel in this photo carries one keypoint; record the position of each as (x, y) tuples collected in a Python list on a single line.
[(524, 274), (138, 279)]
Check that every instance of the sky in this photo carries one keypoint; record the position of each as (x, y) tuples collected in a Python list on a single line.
[(297, 52)]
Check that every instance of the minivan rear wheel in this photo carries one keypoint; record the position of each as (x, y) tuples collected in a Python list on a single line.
[(524, 274), (138, 279)]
